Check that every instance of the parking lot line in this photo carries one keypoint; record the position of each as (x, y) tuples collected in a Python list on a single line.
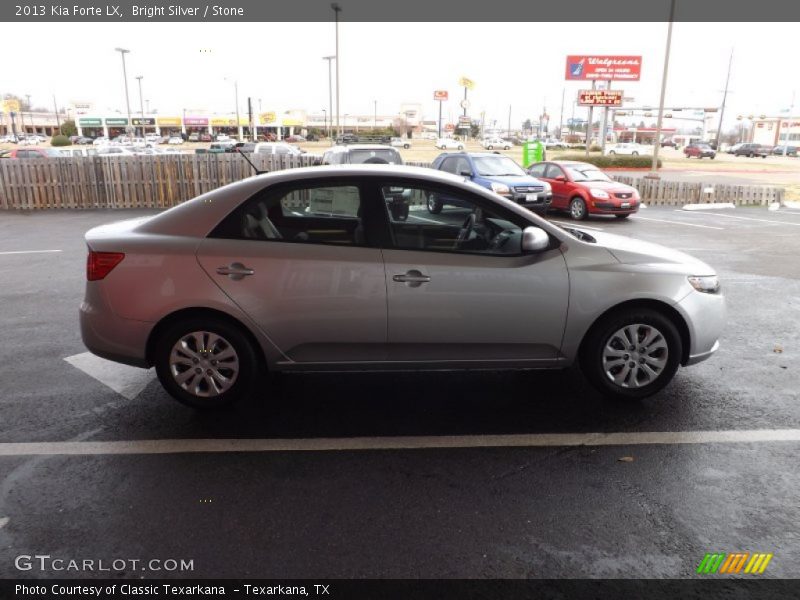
[(676, 222), (189, 446), (30, 251), (753, 219)]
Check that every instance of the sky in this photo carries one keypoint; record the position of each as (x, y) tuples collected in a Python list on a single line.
[(516, 65)]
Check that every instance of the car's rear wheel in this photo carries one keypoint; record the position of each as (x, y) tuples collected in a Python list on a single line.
[(490, 147), (406, 146), (577, 208), (751, 155), (631, 354), (461, 147), (505, 147), (205, 362), (611, 152), (634, 154), (434, 205)]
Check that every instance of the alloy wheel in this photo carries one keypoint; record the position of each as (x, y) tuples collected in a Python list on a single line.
[(204, 364), (635, 355)]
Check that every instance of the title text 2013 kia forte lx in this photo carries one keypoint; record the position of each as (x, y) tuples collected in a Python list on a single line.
[(334, 268)]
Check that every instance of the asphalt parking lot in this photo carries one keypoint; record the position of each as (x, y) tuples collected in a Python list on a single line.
[(404, 475)]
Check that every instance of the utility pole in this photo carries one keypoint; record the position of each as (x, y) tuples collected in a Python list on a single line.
[(724, 98), (123, 52), (336, 10), (786, 141), (653, 171), (58, 120), (141, 102), (330, 92), (561, 116)]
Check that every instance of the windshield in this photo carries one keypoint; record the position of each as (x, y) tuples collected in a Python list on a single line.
[(497, 166), (388, 155), (587, 173)]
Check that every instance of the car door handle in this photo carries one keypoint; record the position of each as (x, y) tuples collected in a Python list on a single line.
[(235, 271), (412, 277)]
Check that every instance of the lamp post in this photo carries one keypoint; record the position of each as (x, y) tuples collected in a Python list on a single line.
[(375, 117), (123, 52), (141, 101), (336, 10), (236, 96), (330, 89), (653, 171), (325, 121), (55, 107)]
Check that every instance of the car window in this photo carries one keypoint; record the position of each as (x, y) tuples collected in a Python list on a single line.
[(323, 214), (537, 170), (457, 222), (382, 155), (554, 171), (449, 165)]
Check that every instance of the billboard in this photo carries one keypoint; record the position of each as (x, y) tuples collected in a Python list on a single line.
[(600, 97), (440, 95), (583, 67)]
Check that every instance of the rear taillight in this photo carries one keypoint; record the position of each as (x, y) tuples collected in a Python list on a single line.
[(100, 264)]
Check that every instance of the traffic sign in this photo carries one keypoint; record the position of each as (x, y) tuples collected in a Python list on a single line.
[(440, 95)]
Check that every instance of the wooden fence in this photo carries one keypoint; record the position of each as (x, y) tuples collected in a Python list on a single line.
[(126, 182), (164, 181), (671, 193)]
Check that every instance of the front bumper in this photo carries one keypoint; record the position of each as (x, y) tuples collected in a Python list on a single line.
[(705, 317), (608, 207), (540, 204)]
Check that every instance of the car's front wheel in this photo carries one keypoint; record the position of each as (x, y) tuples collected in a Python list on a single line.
[(461, 147), (205, 362), (577, 208), (434, 205), (631, 354), (490, 147)]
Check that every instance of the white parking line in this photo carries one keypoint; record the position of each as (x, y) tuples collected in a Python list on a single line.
[(189, 446), (575, 225), (410, 216), (676, 222), (30, 251), (752, 219)]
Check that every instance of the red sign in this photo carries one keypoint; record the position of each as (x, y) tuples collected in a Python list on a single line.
[(600, 97), (440, 95), (619, 68)]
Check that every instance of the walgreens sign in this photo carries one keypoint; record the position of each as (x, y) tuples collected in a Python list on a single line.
[(619, 68)]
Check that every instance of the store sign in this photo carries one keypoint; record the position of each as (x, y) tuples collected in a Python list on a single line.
[(11, 105), (618, 68), (116, 122), (169, 121), (223, 122), (90, 122), (144, 122), (268, 118), (600, 97), (197, 121), (440, 95)]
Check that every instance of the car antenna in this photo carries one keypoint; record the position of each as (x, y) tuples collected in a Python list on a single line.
[(244, 156)]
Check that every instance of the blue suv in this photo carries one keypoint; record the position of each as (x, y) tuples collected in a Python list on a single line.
[(496, 172)]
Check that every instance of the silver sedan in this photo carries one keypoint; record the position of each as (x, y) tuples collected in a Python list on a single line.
[(334, 268)]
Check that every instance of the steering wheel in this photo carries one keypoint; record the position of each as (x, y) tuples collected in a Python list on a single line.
[(466, 229)]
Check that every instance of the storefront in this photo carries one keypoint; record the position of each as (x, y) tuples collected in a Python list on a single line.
[(168, 126), (196, 125), (115, 126), (228, 126), (776, 131), (144, 125), (91, 127)]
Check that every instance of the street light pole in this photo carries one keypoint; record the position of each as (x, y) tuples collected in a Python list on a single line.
[(786, 141), (336, 10), (653, 173), (236, 97), (55, 107), (330, 89), (325, 120), (141, 101), (724, 98), (123, 52)]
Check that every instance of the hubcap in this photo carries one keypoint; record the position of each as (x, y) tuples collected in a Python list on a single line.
[(431, 203), (204, 364), (577, 209), (635, 355)]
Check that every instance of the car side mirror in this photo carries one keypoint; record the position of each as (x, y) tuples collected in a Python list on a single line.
[(465, 173), (561, 178), (534, 239)]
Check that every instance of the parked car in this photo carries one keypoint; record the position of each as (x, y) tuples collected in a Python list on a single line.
[(295, 139), (582, 189), (668, 144), (193, 137), (219, 147), (734, 148), (276, 148), (492, 143), (83, 141), (551, 144), (347, 138), (699, 150), (116, 150), (223, 137), (790, 150), (243, 147), (399, 142), (101, 141), (9, 139), (449, 144), (205, 137), (78, 152), (752, 150), (361, 153), (629, 148), (299, 269), (31, 153), (495, 172), (175, 140)]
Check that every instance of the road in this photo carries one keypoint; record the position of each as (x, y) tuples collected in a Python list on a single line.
[(406, 475)]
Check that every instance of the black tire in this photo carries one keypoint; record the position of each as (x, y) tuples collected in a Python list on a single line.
[(611, 152), (622, 216), (461, 147), (602, 334), (579, 212), (434, 206), (505, 147), (751, 155), (490, 147), (406, 146), (700, 157), (634, 154), (233, 336)]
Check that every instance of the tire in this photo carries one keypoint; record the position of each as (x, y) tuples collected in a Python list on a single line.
[(751, 155), (713, 157), (173, 359), (611, 153), (622, 216), (490, 147), (577, 208), (461, 147), (634, 154), (406, 146), (505, 147), (434, 206), (603, 354)]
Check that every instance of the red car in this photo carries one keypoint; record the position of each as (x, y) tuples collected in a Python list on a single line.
[(699, 151), (583, 189), (31, 153)]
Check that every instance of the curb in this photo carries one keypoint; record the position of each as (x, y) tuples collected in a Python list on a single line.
[(708, 206)]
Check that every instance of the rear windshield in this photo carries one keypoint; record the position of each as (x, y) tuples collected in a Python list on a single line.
[(387, 155)]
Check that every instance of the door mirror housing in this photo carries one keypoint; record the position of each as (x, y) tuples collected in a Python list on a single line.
[(560, 178), (534, 239), (465, 173)]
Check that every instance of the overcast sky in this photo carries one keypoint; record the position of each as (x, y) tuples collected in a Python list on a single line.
[(517, 64)]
